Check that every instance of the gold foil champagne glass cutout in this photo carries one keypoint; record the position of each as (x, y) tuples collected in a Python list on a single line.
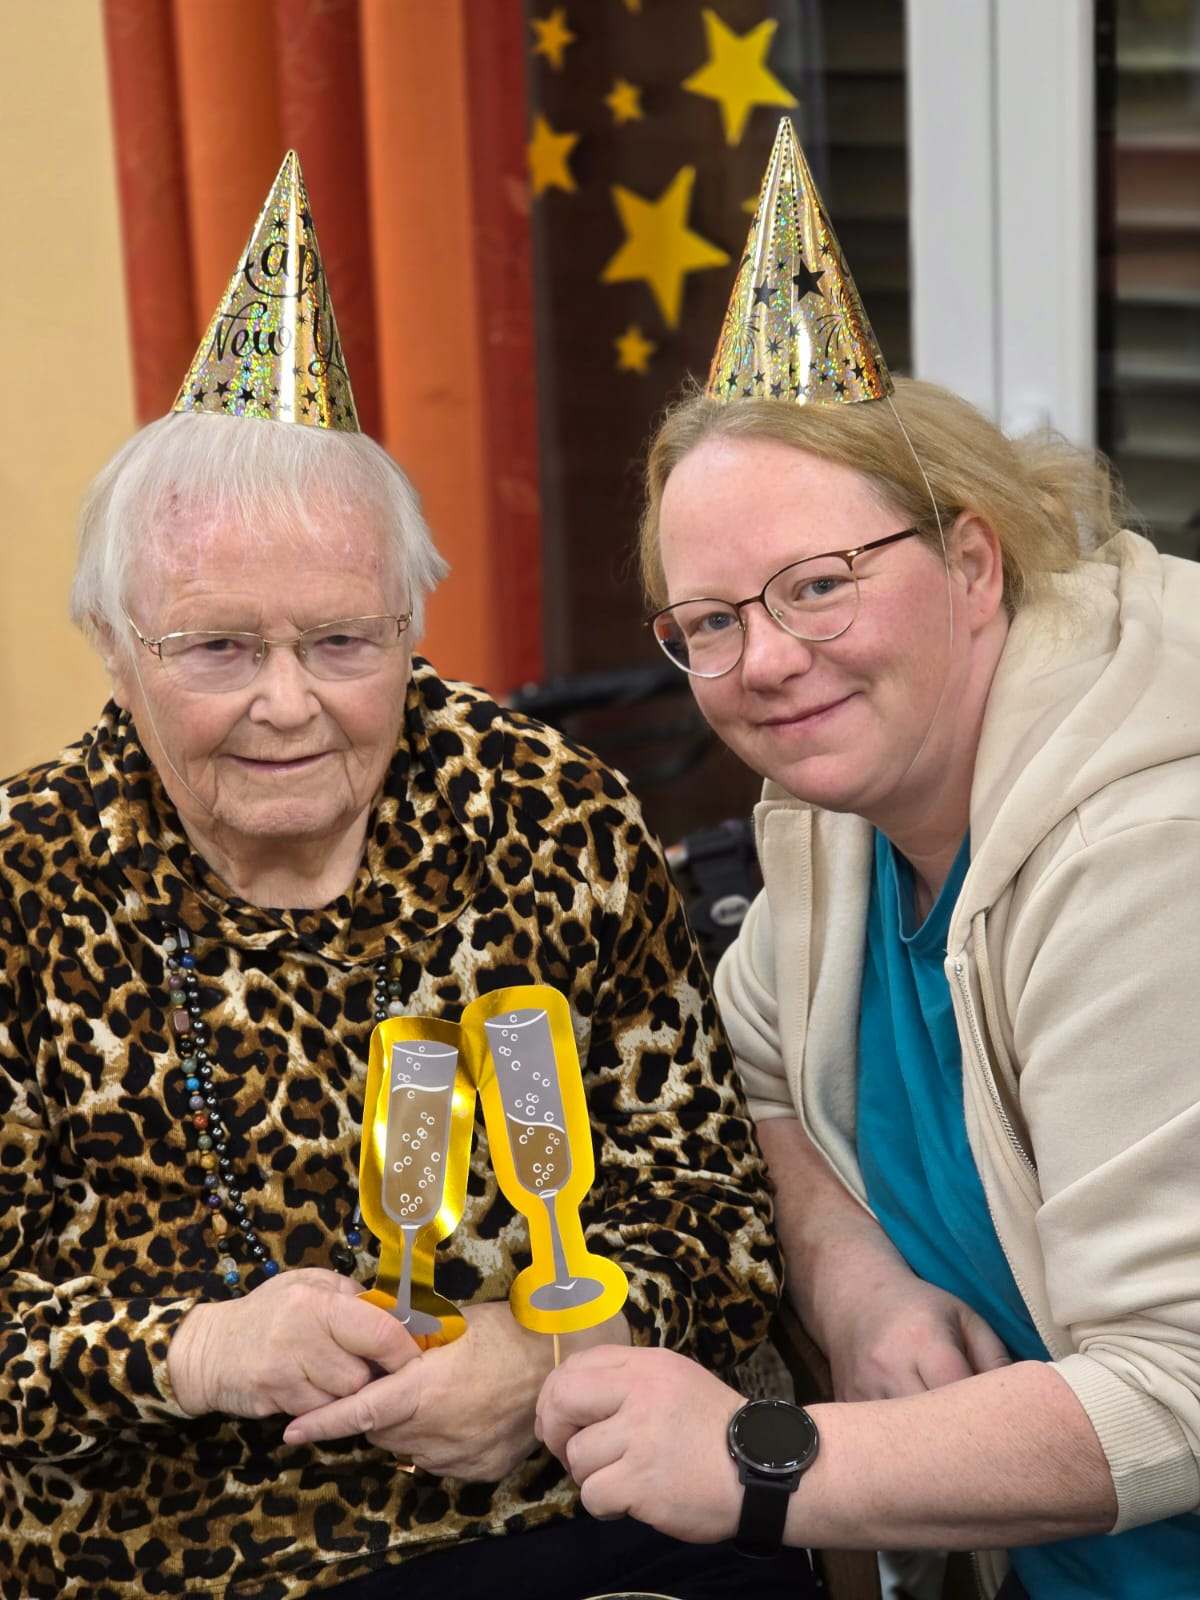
[(416, 1150), (536, 1125), (541, 1149), (420, 1103)]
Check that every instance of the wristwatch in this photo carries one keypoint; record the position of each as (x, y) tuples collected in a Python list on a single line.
[(773, 1444)]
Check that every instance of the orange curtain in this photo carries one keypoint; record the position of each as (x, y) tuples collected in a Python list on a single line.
[(409, 119)]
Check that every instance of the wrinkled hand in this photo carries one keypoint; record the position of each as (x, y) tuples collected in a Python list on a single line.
[(298, 1341), (643, 1434), (461, 1410), (902, 1336)]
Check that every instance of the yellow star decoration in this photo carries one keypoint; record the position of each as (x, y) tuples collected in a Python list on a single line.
[(659, 246), (737, 75), (625, 102), (548, 152), (553, 36), (634, 350)]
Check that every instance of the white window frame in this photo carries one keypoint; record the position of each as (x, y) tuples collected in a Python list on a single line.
[(1001, 128)]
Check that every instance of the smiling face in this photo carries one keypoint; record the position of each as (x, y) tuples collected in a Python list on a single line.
[(858, 723), (290, 757)]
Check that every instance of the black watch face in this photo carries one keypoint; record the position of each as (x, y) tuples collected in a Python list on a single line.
[(773, 1436)]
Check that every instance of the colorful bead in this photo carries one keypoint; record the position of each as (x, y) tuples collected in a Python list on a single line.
[(395, 1008), (231, 1277), (187, 960), (193, 1084), (196, 1101), (205, 1141), (208, 1160), (178, 997), (213, 1201), (170, 944), (200, 1119), (270, 1268), (180, 1021), (353, 1237)]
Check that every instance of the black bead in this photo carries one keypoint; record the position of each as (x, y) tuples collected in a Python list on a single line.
[(247, 1228), (202, 1057), (259, 1251), (234, 1194), (220, 1146), (343, 1259), (239, 1209), (381, 1016)]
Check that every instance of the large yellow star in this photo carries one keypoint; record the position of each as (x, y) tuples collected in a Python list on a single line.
[(659, 246), (633, 350), (625, 102), (737, 75), (553, 36), (548, 152)]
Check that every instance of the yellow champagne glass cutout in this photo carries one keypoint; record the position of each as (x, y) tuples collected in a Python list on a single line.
[(539, 1137), (416, 1149)]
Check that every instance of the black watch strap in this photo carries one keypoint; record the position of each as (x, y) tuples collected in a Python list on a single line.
[(764, 1513)]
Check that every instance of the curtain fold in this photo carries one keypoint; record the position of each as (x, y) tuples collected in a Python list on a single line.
[(318, 48), (431, 376), (140, 44), (232, 146)]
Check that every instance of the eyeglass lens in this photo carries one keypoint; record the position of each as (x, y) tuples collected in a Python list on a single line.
[(814, 600)]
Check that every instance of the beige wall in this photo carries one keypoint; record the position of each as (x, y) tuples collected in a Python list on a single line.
[(65, 388)]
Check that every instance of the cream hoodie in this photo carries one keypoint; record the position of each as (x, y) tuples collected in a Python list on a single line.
[(1074, 965)]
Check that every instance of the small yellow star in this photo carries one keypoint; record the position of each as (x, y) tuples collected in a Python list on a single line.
[(736, 73), (634, 350), (659, 246), (548, 152), (553, 36), (625, 102)]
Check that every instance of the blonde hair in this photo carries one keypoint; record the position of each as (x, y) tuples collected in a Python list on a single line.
[(1047, 501), (242, 469)]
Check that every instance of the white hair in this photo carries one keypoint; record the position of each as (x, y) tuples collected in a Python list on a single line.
[(248, 470)]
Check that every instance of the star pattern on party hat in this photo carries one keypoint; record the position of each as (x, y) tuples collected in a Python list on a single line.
[(272, 348), (795, 328)]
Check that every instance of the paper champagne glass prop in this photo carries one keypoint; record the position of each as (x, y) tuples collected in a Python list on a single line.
[(418, 1121), (540, 1139)]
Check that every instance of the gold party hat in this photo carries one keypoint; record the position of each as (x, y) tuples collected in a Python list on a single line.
[(795, 328), (272, 348)]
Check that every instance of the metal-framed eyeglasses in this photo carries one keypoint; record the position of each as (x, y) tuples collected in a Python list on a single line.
[(815, 599), (214, 661)]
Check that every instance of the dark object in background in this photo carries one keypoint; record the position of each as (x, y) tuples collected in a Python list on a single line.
[(644, 722)]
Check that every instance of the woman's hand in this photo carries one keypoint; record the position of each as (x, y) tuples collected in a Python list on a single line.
[(898, 1335), (643, 1433), (461, 1410), (296, 1342)]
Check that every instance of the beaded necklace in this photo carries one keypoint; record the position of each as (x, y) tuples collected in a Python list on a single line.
[(224, 1201)]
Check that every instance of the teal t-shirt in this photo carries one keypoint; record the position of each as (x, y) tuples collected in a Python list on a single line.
[(923, 1186)]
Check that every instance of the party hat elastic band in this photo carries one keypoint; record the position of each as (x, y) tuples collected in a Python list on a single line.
[(272, 348), (795, 328)]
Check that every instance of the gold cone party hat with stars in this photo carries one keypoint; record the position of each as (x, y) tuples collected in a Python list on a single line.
[(272, 348), (795, 328)]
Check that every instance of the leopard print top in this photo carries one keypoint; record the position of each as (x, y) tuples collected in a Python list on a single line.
[(498, 853)]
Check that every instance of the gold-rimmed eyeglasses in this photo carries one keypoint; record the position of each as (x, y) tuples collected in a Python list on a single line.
[(815, 599), (211, 661)]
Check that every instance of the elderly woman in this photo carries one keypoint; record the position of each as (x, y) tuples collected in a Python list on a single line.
[(965, 1006), (282, 829)]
